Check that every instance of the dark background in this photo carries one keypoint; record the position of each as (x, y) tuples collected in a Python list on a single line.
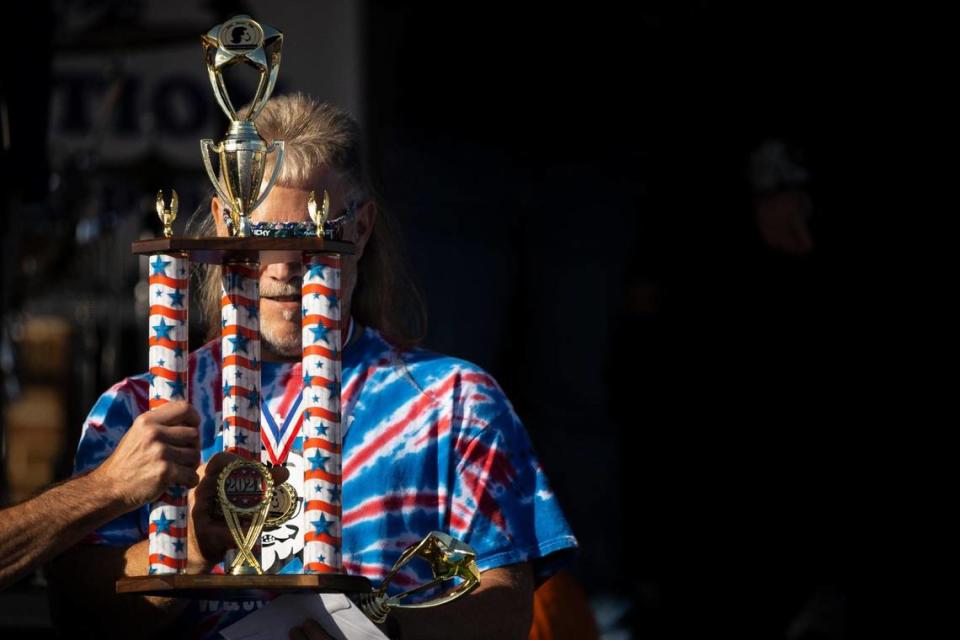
[(572, 186)]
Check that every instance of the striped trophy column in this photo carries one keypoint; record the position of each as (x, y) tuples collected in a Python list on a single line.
[(321, 413), (240, 365), (168, 374), (240, 349)]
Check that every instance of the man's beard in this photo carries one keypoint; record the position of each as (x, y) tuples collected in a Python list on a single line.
[(280, 341), (282, 344)]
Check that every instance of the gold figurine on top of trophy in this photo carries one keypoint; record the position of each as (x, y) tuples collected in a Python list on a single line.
[(319, 217), (243, 153), (167, 214)]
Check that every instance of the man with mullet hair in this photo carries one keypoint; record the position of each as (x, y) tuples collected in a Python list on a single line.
[(430, 441)]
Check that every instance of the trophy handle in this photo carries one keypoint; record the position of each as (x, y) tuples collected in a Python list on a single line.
[(268, 78), (278, 145), (220, 92), (216, 148)]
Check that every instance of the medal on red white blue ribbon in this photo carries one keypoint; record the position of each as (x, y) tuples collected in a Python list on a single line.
[(277, 440)]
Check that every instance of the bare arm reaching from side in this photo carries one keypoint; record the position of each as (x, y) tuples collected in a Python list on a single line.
[(156, 452)]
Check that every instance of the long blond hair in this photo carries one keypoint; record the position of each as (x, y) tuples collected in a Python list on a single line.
[(318, 134)]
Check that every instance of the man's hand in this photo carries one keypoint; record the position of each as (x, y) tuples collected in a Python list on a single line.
[(161, 449), (208, 537)]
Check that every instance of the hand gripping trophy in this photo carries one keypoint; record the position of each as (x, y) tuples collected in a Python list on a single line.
[(248, 497)]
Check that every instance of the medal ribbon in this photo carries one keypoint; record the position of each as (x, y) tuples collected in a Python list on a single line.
[(280, 456)]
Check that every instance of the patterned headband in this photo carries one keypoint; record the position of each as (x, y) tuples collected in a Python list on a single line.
[(332, 227)]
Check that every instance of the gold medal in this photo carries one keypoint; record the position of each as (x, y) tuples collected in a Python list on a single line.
[(283, 505), (245, 490)]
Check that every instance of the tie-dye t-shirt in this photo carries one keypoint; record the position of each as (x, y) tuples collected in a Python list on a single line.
[(430, 443)]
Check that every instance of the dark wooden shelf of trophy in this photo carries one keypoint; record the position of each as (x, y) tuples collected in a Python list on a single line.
[(201, 586), (215, 250)]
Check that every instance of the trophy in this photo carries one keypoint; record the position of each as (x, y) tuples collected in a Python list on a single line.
[(243, 153), (248, 498)]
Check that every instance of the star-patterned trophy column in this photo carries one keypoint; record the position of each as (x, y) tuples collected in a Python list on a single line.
[(169, 282), (240, 353), (321, 365), (240, 374)]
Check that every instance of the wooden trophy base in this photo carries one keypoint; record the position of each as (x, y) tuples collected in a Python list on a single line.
[(201, 586), (214, 250)]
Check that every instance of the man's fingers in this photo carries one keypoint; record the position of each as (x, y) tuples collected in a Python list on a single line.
[(185, 477), (185, 456), (207, 488), (180, 435), (216, 530), (210, 472), (217, 463), (177, 412)]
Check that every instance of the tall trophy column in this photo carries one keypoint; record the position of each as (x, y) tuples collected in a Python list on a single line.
[(245, 486), (169, 282), (322, 338), (240, 353)]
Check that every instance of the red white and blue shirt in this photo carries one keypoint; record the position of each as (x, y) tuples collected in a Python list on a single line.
[(430, 442)]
